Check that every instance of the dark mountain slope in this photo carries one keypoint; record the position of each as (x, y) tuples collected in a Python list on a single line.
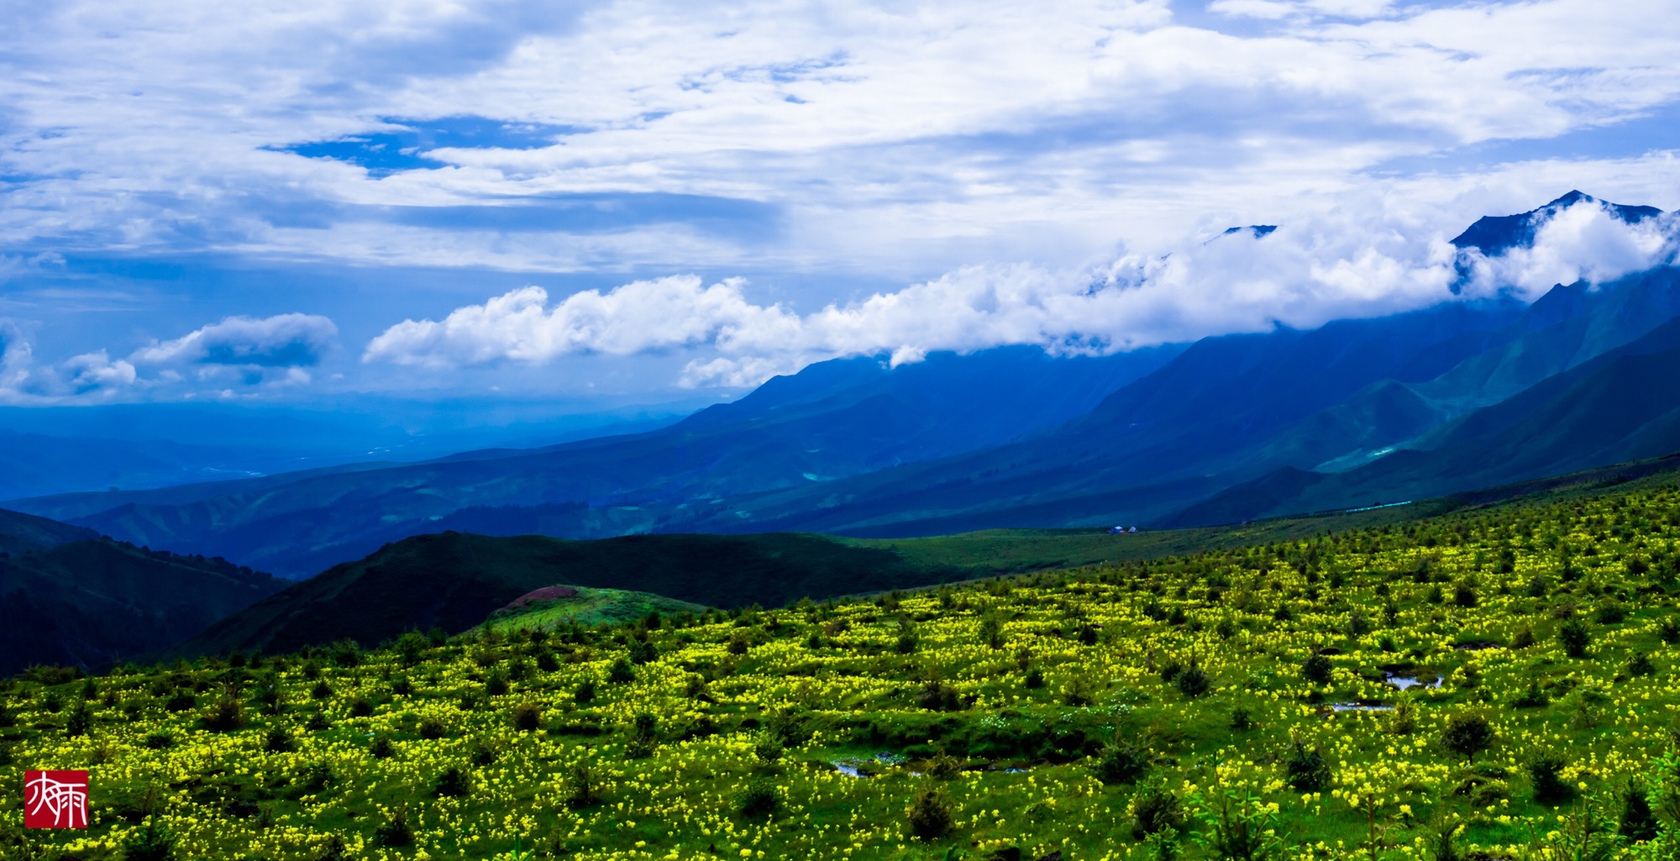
[(94, 602), (25, 533)]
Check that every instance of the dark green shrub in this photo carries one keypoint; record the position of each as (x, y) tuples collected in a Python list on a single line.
[(930, 814), (1533, 697), (1640, 665), (381, 748), (1241, 720), (1543, 776), (621, 672), (1317, 669), (1121, 761), (159, 740), (79, 720), (1522, 637), (322, 690), (277, 740), (585, 692), (1574, 636), (1035, 678), (431, 729), (1467, 734), (410, 647), (1670, 631), (496, 683), (150, 842), (759, 797), (452, 783), (1155, 809), (1610, 613), (527, 716), (582, 789), (395, 830), (1464, 595), (1637, 822), (1194, 681), (1306, 769)]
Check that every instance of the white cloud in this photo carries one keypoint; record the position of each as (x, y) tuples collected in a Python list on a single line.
[(273, 351), (285, 340), (1354, 262)]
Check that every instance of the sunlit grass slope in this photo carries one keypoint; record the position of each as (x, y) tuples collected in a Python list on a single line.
[(1238, 703)]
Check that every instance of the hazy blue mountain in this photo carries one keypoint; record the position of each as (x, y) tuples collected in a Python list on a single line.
[(831, 420), (1151, 447)]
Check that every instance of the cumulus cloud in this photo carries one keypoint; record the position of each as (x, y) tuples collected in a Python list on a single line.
[(641, 316), (1344, 264), (282, 341), (244, 350)]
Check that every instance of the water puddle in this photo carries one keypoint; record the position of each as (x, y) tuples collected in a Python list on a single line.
[(1360, 707), (1406, 682)]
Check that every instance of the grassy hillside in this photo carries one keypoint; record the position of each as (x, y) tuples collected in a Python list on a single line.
[(586, 607), (1496, 682)]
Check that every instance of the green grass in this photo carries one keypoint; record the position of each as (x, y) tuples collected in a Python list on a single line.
[(1043, 711), (588, 607)]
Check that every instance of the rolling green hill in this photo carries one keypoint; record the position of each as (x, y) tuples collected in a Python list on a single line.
[(586, 607)]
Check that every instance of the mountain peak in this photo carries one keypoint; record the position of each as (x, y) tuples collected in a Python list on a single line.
[(1496, 234)]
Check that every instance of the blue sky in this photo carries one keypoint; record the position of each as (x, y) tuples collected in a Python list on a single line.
[(643, 202)]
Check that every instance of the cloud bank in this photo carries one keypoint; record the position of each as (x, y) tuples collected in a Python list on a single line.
[(1300, 275), (238, 351)]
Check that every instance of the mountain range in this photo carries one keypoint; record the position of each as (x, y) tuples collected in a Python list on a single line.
[(1467, 394)]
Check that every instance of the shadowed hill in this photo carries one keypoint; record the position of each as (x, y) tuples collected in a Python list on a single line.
[(95, 602)]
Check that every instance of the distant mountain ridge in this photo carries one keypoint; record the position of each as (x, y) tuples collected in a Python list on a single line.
[(1236, 426)]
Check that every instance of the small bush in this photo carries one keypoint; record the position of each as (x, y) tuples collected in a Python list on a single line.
[(432, 729), (1317, 669), (582, 788), (150, 842), (1640, 665), (1467, 734), (395, 830), (930, 815), (1241, 720), (454, 782), (1194, 681), (381, 748), (759, 797), (1305, 768), (1574, 636), (1121, 761), (277, 740), (1155, 809), (1637, 822), (1522, 637), (585, 692), (1549, 788), (527, 716)]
